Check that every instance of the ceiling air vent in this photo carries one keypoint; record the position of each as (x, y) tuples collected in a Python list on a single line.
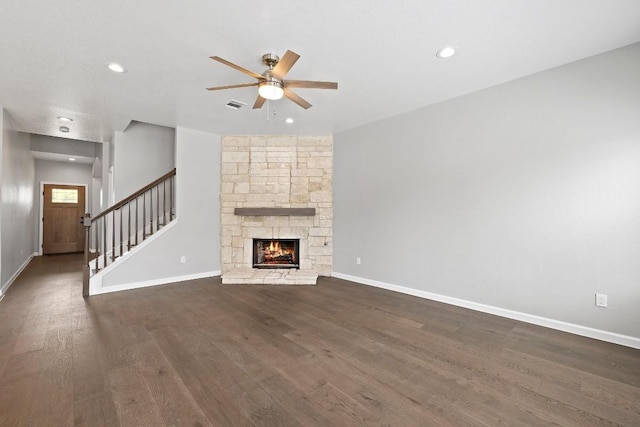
[(235, 105)]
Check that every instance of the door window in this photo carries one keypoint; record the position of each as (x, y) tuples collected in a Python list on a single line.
[(64, 195)]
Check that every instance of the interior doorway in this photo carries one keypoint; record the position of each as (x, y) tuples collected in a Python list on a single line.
[(62, 207)]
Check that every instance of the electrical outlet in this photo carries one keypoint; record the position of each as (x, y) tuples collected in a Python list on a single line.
[(601, 300), (358, 260), (183, 259)]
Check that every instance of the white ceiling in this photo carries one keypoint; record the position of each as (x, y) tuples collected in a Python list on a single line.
[(382, 54)]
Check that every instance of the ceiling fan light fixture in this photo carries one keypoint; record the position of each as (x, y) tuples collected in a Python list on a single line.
[(271, 89)]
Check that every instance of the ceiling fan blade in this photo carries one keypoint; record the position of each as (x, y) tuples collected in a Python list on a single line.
[(259, 102), (237, 67), (295, 98), (284, 65), (310, 84), (233, 86)]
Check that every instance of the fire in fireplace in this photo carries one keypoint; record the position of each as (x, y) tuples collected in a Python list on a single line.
[(276, 253)]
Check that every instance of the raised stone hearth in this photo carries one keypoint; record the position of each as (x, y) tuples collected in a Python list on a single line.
[(276, 187), (253, 276)]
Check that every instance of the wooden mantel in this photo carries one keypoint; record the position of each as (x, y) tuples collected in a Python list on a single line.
[(275, 211)]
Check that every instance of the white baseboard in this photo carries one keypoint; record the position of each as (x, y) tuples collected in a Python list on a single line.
[(97, 289), (584, 331), (12, 279)]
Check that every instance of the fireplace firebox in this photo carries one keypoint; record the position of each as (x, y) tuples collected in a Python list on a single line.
[(276, 253)]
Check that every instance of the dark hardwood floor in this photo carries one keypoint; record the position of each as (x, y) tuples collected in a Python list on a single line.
[(338, 354)]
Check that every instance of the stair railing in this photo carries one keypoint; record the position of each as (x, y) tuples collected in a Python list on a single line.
[(113, 232)]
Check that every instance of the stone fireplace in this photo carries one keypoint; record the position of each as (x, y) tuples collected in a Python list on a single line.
[(276, 188)]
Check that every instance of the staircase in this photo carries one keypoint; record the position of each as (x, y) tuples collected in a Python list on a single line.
[(118, 230)]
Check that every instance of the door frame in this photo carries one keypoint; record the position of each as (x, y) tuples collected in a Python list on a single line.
[(40, 220)]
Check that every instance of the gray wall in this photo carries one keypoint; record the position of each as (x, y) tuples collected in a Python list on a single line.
[(197, 233), (525, 196), (96, 181), (71, 147), (141, 154), (105, 155), (18, 211), (63, 173)]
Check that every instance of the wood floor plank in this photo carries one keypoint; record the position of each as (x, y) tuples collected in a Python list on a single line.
[(16, 400), (88, 370), (200, 377), (304, 403), (176, 405), (199, 353), (233, 388), (589, 393), (32, 334), (21, 366), (552, 345), (95, 411), (132, 398), (54, 386)]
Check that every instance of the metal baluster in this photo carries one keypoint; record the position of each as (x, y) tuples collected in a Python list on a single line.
[(104, 241), (171, 197), (144, 215), (121, 234), (113, 235), (137, 220), (151, 211), (164, 201), (86, 269), (129, 226), (157, 207), (97, 243)]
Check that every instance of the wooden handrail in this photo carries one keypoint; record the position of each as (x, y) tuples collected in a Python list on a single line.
[(126, 200)]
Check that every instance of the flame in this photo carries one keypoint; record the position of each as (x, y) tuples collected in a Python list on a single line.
[(276, 252)]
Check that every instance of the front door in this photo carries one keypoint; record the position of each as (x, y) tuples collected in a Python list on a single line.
[(62, 231)]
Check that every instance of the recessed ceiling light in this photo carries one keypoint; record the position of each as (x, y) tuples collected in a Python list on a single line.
[(71, 159), (116, 68), (288, 120), (64, 129), (65, 119), (446, 52)]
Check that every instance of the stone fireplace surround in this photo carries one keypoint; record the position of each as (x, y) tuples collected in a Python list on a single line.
[(276, 187)]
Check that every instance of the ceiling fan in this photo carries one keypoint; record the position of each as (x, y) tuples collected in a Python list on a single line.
[(271, 83)]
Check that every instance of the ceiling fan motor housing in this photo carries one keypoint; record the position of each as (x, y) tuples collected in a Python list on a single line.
[(268, 76), (270, 59)]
